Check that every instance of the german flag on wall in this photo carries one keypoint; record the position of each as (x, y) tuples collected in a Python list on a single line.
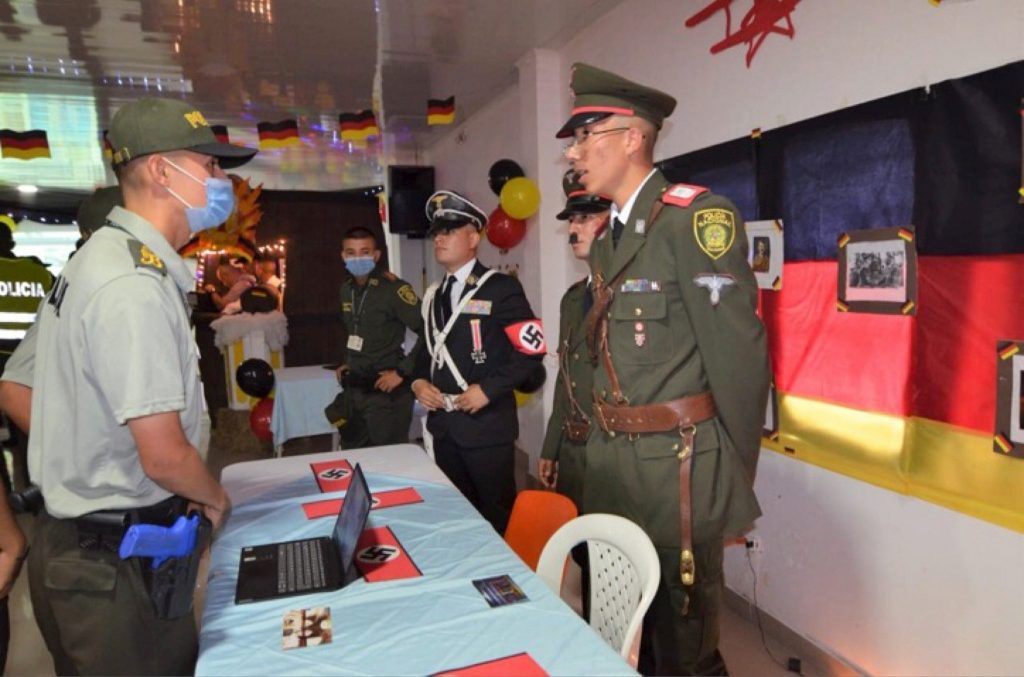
[(441, 111), (24, 145), (358, 126), (221, 132), (278, 134)]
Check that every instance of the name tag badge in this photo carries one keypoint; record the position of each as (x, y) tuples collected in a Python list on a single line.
[(475, 307), (355, 343)]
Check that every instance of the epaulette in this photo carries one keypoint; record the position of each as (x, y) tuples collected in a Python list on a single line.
[(389, 276), (682, 194), (145, 258)]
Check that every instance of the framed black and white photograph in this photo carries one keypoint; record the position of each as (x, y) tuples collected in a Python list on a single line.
[(1009, 433), (765, 252), (877, 271)]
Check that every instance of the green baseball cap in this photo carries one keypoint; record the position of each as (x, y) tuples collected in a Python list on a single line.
[(599, 94), (159, 125), (93, 210), (578, 200)]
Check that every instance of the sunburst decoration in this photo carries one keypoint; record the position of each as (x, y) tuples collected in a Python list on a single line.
[(242, 222)]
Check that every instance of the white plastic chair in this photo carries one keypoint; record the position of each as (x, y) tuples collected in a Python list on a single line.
[(624, 575)]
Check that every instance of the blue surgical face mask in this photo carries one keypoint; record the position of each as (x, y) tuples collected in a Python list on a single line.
[(360, 266), (220, 202)]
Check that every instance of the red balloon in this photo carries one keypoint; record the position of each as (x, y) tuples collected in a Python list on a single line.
[(259, 419), (503, 231)]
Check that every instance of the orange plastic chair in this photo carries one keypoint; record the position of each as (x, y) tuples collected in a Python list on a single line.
[(536, 515)]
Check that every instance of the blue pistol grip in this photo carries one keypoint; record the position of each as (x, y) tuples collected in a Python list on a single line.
[(160, 543)]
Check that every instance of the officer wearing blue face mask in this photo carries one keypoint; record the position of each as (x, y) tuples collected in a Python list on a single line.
[(375, 405), (117, 402)]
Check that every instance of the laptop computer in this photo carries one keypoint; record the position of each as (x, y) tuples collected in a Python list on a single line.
[(310, 565)]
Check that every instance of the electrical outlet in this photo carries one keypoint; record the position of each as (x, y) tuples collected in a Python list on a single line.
[(755, 546)]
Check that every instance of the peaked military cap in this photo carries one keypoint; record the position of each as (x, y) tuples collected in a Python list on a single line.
[(578, 200), (93, 210), (447, 210), (159, 125), (599, 94)]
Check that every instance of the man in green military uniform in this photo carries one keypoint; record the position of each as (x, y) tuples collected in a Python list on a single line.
[(682, 366), (117, 403), (563, 454), (375, 406)]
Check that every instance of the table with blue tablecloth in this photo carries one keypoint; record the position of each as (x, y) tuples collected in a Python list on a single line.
[(414, 626), (300, 395)]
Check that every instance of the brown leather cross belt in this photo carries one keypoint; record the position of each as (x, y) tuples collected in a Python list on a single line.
[(662, 417)]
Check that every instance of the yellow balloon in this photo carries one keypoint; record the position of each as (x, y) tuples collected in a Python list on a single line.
[(521, 398), (520, 198)]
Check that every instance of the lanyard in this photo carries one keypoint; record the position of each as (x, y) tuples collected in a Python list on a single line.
[(357, 312)]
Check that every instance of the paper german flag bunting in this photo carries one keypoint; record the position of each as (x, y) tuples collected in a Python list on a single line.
[(358, 126), (278, 134), (221, 132), (29, 145), (441, 111)]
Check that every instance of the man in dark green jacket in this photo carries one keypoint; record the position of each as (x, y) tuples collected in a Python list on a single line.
[(682, 366), (562, 458), (375, 407)]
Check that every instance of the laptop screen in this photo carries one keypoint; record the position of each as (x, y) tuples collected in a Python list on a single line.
[(351, 519)]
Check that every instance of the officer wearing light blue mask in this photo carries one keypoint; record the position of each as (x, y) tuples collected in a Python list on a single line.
[(375, 407), (117, 402)]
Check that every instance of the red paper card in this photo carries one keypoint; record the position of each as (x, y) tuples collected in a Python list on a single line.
[(380, 557), (332, 475), (383, 499), (518, 664)]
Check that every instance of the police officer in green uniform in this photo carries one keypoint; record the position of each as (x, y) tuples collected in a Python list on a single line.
[(24, 281), (682, 366), (375, 406), (117, 401), (562, 457)]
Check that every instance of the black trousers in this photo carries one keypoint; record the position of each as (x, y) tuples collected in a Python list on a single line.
[(484, 475)]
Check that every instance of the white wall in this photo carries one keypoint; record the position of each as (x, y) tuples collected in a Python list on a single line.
[(890, 583)]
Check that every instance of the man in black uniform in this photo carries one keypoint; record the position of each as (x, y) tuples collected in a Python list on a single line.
[(377, 307), (483, 340)]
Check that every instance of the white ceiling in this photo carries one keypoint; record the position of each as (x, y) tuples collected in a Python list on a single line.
[(67, 65)]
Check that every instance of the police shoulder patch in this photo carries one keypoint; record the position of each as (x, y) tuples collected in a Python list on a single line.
[(406, 293), (715, 230), (144, 257), (682, 194)]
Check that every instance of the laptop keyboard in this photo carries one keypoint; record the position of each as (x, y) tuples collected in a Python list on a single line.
[(300, 566)]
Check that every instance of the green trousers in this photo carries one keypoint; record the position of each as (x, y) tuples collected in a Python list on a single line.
[(94, 611), (375, 418)]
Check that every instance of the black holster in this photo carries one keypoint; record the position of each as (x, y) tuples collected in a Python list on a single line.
[(172, 585)]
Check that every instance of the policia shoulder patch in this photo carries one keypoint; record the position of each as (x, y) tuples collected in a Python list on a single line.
[(145, 258), (406, 293), (715, 230)]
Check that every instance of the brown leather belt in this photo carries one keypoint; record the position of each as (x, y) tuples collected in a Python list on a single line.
[(683, 415), (662, 417)]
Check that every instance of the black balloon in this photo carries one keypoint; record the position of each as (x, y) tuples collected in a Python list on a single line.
[(501, 172), (535, 380), (255, 377)]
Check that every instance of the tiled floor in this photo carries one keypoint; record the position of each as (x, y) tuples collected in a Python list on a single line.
[(741, 641)]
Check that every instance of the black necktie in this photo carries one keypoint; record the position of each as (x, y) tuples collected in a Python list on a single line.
[(588, 299), (617, 227), (446, 299)]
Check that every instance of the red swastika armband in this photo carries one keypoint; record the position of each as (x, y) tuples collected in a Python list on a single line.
[(527, 337)]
